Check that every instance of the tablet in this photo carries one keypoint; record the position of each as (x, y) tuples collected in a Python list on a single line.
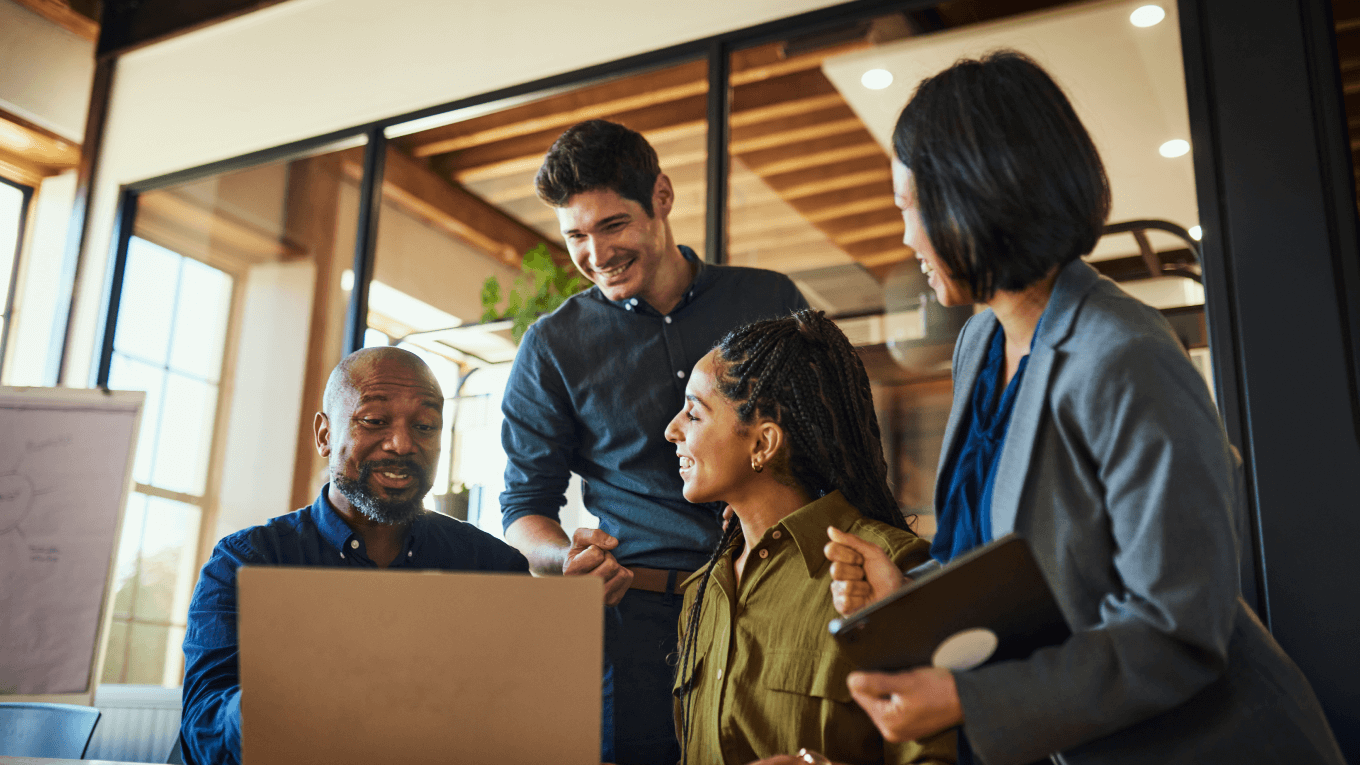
[(991, 604)]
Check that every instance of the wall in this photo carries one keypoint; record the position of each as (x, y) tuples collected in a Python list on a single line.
[(266, 398), (307, 67), (39, 282), (45, 72)]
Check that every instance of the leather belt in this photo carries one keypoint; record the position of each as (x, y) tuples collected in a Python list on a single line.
[(657, 579)]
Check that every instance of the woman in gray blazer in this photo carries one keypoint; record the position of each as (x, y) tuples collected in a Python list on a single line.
[(1079, 423)]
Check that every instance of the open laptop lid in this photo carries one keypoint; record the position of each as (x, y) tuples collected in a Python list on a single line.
[(343, 666)]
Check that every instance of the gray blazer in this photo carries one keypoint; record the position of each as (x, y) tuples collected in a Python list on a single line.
[(1117, 471)]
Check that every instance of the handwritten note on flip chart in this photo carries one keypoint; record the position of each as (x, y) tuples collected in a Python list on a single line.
[(64, 474)]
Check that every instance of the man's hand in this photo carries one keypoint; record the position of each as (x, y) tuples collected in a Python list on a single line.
[(908, 705), (589, 554), (861, 573)]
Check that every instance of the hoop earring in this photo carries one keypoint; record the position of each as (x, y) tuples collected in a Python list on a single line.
[(756, 466)]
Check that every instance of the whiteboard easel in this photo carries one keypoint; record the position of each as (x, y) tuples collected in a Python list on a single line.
[(66, 459)]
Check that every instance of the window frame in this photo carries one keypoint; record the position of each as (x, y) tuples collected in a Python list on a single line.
[(7, 306), (207, 503)]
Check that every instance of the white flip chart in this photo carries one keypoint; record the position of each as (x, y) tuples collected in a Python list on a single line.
[(65, 471)]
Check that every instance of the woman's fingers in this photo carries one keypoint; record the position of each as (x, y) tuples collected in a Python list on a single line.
[(849, 597)]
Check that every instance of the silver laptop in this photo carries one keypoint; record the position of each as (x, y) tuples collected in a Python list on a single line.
[(343, 666)]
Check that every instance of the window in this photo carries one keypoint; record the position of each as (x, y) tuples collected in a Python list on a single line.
[(231, 301), (171, 334)]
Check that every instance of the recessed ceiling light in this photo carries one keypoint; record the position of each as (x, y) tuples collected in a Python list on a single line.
[(876, 79), (1196, 233), (1148, 15), (1175, 148)]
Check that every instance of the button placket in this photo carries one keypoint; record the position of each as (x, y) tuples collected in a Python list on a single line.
[(675, 349)]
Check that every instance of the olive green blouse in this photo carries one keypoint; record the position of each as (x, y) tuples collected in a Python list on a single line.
[(768, 677)]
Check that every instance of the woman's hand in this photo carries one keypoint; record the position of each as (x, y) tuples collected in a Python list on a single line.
[(908, 705), (861, 573)]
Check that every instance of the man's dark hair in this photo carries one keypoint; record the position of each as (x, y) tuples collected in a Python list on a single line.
[(596, 155), (802, 373), (1008, 181)]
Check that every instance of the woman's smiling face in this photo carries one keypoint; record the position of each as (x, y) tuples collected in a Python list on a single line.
[(713, 446)]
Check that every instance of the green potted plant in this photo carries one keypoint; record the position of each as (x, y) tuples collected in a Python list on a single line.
[(540, 289)]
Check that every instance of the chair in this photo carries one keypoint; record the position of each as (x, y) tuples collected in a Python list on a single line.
[(46, 730)]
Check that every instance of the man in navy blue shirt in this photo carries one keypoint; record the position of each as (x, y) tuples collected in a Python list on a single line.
[(380, 430), (593, 387)]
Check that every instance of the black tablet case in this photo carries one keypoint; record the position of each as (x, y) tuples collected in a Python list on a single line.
[(997, 586)]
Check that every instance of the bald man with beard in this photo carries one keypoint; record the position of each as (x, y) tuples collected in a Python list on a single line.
[(379, 429)]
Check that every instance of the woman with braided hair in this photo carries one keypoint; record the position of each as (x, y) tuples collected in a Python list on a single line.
[(779, 424)]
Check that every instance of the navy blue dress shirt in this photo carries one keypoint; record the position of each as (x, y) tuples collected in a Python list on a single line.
[(593, 387), (312, 536), (965, 519)]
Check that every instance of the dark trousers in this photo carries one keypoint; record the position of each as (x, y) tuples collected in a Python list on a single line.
[(638, 725)]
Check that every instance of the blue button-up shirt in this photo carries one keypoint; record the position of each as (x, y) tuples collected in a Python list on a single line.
[(593, 387), (312, 536)]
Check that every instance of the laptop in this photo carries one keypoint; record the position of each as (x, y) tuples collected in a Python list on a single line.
[(343, 666)]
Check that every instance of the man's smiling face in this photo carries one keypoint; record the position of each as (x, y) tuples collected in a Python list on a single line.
[(613, 241)]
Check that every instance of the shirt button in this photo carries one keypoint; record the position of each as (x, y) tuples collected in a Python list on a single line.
[(668, 320), (342, 556), (764, 553), (777, 534), (354, 544), (410, 553), (680, 374), (719, 673), (633, 301)]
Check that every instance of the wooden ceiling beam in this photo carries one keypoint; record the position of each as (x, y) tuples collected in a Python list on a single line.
[(820, 180), (848, 224), (875, 200), (749, 67), (456, 210), (647, 120), (799, 156), (868, 248), (767, 61), (758, 109), (562, 111), (61, 14), (887, 257), (808, 126), (892, 229)]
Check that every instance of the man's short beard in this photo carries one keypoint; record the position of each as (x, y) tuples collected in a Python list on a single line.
[(374, 507)]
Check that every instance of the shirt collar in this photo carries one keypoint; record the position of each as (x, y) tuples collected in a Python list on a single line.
[(807, 526), (339, 535), (703, 276)]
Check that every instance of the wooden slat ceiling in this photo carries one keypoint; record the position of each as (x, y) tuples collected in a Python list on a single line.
[(809, 186)]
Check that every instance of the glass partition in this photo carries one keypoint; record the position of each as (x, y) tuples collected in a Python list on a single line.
[(811, 196), (229, 318)]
